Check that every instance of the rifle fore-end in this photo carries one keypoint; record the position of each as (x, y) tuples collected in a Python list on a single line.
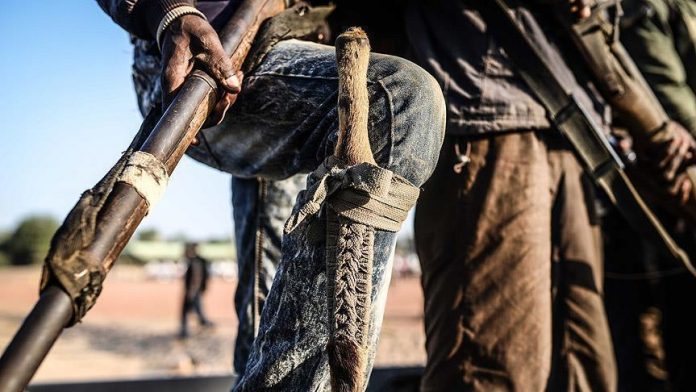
[(123, 208), (616, 75)]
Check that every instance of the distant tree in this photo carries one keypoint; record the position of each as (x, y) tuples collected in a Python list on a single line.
[(219, 240), (405, 245), (4, 259), (29, 242), (178, 237), (149, 235)]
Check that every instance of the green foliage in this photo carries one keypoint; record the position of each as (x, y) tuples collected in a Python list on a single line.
[(179, 237), (29, 242), (4, 259), (149, 235), (220, 240), (130, 260), (405, 245)]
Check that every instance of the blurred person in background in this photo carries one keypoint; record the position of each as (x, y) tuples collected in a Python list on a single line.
[(195, 283)]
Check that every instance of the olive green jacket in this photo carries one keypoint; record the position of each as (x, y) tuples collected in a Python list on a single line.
[(660, 35)]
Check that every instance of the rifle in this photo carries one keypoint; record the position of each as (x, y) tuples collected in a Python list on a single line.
[(95, 232), (572, 119), (621, 83)]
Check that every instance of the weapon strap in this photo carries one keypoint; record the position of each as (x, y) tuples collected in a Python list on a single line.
[(573, 121)]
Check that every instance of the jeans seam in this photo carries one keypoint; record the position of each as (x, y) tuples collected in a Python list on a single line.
[(299, 76), (390, 105), (258, 255), (262, 74)]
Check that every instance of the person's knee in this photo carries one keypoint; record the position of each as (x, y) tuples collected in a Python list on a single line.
[(418, 119)]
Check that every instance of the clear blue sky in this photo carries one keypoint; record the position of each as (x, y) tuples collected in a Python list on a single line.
[(67, 109)]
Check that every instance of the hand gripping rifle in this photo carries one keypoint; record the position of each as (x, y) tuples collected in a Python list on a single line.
[(621, 83), (572, 119), (97, 229)]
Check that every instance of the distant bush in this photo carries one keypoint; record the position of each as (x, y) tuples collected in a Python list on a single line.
[(4, 259), (130, 260), (29, 242), (149, 235)]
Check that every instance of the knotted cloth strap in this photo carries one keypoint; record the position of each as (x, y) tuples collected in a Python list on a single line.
[(363, 193), (68, 263), (147, 175)]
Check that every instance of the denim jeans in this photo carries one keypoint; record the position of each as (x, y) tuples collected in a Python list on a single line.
[(285, 122), (260, 209)]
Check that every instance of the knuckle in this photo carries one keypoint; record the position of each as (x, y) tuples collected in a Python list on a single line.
[(169, 73)]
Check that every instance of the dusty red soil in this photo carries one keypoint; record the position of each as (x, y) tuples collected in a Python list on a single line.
[(131, 332)]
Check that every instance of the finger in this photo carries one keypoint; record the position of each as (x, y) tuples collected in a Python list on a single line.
[(173, 75), (219, 66), (580, 8), (218, 113), (690, 153), (224, 103), (685, 152), (686, 189), (669, 149), (677, 160), (681, 189)]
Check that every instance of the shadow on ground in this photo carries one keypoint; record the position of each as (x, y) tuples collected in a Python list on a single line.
[(396, 379)]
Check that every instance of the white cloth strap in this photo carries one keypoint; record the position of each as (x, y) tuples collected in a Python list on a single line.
[(147, 175)]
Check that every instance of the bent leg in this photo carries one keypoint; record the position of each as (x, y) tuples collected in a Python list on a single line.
[(285, 122), (285, 119)]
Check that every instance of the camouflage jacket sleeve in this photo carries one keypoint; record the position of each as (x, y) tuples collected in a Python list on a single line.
[(140, 17), (660, 35)]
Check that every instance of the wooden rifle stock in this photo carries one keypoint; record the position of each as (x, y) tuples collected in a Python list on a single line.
[(572, 119), (124, 208)]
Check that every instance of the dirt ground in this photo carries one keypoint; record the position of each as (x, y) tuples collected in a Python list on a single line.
[(131, 332)]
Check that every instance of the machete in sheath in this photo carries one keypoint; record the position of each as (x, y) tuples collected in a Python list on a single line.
[(573, 120)]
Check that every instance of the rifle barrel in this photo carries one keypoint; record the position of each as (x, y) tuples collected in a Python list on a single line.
[(124, 208), (34, 339)]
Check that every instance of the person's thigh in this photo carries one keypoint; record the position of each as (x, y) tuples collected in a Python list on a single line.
[(483, 238), (285, 120), (583, 354)]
